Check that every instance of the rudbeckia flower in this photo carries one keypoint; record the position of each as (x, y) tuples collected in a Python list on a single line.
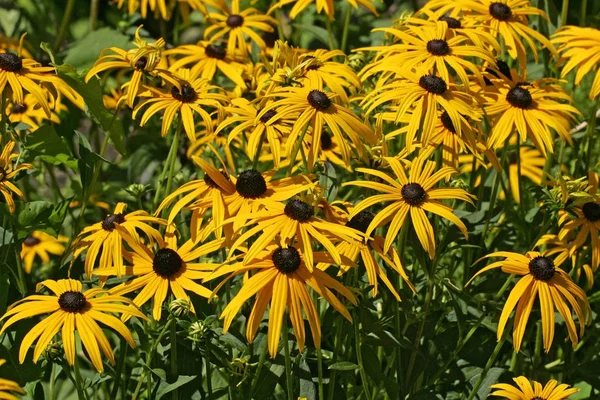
[(40, 244), (326, 6), (434, 48), (30, 113), (579, 47), (204, 59), (141, 60), (8, 171), (281, 279), (106, 237), (162, 7), (532, 109), (72, 310), (412, 194), (233, 25), (315, 108), (541, 276), (242, 114), (187, 97), (7, 386), (423, 96), (294, 222), (169, 268), (526, 391), (583, 221)]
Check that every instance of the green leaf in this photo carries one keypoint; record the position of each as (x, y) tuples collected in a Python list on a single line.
[(92, 94), (343, 366), (87, 163), (43, 216), (307, 387), (165, 388), (45, 144), (86, 51)]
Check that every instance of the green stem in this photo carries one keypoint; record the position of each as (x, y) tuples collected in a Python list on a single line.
[(175, 146), (296, 149), (358, 342), (175, 393), (78, 380), (583, 13), (329, 33), (288, 361), (168, 167), (52, 381), (261, 363), (120, 366), (320, 373), (208, 372), (564, 12), (487, 367), (258, 150), (336, 351), (64, 24), (94, 14), (347, 19)]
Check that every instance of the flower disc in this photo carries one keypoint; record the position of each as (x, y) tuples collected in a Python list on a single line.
[(286, 260), (72, 301), (438, 47), (413, 194), (109, 222), (31, 241), (519, 97), (361, 221), (542, 268), (319, 100), (235, 21), (10, 62), (500, 11), (167, 263), (299, 210), (591, 211), (251, 184), (433, 84)]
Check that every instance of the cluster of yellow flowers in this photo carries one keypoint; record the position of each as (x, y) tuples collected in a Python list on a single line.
[(446, 93)]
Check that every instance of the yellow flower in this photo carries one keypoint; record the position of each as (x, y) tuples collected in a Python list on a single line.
[(106, 237), (7, 386), (233, 25), (72, 310), (162, 7), (526, 391), (170, 267), (532, 109), (40, 244), (187, 97), (322, 5), (28, 112), (532, 167), (412, 194), (579, 47), (8, 171), (143, 59), (541, 276), (281, 280)]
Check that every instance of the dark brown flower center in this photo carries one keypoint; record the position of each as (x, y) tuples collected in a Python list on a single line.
[(267, 116), (235, 21), (214, 51), (319, 100), (286, 259), (438, 47), (209, 181), (361, 221), (269, 38), (299, 210), (31, 241), (19, 108), (167, 263), (72, 301), (111, 219), (326, 141), (453, 23), (10, 62), (413, 194), (519, 97), (500, 11), (591, 211), (251, 184), (2, 174), (503, 67), (141, 63), (512, 158), (433, 84), (187, 94), (447, 122), (542, 268)]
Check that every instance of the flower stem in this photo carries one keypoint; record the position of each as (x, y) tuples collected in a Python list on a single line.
[(336, 351), (487, 367), (358, 342), (564, 12), (120, 366), (78, 380), (64, 24), (93, 14), (288, 360), (320, 373), (175, 393), (208, 372), (168, 167), (347, 19), (174, 146), (329, 33)]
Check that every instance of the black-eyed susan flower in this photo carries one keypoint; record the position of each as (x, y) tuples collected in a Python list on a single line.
[(242, 116), (526, 390), (534, 110), (434, 48), (294, 222), (104, 240), (8, 170), (326, 6), (40, 244), (424, 95), (205, 59), (411, 194), (7, 386), (141, 60), (167, 269), (541, 276), (158, 7), (315, 108), (214, 185), (30, 113), (72, 310), (579, 47), (234, 25), (190, 96), (281, 279), (583, 221)]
